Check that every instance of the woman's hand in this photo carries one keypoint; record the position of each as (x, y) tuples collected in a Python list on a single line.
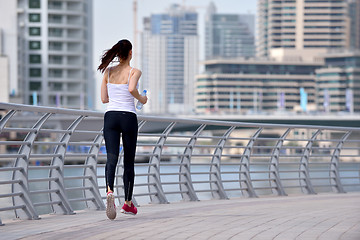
[(143, 99)]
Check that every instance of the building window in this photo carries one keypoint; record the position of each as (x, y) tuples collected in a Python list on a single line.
[(34, 3), (35, 58), (55, 32), (55, 59), (35, 72), (55, 86), (34, 31), (55, 18), (35, 86), (34, 17), (56, 73), (34, 45), (55, 5), (55, 46)]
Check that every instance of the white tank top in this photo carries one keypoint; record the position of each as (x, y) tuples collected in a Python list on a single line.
[(120, 99)]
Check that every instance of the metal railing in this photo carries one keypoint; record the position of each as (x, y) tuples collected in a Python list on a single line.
[(52, 160)]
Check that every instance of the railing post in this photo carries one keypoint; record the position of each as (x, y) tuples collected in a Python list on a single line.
[(216, 185), (274, 166), (58, 172), (304, 176), (154, 179), (245, 166), (97, 203), (22, 175), (335, 180), (120, 171), (187, 188), (6, 118)]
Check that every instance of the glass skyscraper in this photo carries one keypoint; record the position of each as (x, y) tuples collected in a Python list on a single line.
[(170, 60), (229, 35)]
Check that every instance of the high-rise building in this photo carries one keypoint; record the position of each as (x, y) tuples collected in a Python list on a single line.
[(4, 74), (338, 83), (4, 79), (301, 29), (49, 46), (170, 60), (354, 14), (229, 35)]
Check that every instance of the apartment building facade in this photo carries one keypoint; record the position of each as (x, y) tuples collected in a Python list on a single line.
[(236, 86), (301, 29), (49, 46)]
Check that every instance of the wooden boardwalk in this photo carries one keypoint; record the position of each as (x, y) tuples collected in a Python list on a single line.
[(322, 216)]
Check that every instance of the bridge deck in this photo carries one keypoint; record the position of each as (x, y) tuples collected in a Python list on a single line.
[(323, 216)]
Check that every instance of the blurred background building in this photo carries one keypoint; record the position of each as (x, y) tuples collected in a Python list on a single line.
[(354, 14), (48, 45), (170, 55), (255, 86), (4, 73), (338, 83), (302, 29), (229, 35), (305, 62)]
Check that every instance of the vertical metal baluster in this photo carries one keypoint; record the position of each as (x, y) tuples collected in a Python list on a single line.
[(3, 122), (304, 176), (92, 172), (58, 173), (22, 175), (6, 118), (217, 188), (187, 188), (274, 166), (154, 179), (245, 167), (334, 167)]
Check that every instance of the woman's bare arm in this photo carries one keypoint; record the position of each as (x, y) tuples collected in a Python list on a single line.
[(134, 79), (104, 91)]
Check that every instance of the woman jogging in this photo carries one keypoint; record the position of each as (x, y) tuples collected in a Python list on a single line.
[(118, 89)]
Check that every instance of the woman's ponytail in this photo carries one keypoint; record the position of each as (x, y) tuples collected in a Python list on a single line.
[(121, 50)]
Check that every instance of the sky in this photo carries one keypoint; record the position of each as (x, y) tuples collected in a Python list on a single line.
[(113, 20)]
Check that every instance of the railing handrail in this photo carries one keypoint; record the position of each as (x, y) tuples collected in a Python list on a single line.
[(89, 113)]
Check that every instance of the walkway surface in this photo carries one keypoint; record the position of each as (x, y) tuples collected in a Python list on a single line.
[(323, 216)]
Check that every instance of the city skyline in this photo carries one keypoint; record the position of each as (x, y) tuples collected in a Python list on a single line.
[(104, 17), (51, 47)]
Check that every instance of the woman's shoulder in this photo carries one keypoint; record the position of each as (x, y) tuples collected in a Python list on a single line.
[(136, 71), (107, 71)]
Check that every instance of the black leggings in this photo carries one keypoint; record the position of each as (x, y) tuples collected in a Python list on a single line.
[(117, 123)]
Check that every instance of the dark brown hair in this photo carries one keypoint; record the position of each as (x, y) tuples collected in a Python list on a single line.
[(121, 50)]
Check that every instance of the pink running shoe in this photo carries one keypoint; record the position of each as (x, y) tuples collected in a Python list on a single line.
[(110, 206), (129, 210)]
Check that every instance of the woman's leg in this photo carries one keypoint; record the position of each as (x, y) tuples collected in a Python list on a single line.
[(112, 144), (129, 137)]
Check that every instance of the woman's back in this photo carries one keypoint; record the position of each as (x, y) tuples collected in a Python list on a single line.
[(120, 99), (119, 75)]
